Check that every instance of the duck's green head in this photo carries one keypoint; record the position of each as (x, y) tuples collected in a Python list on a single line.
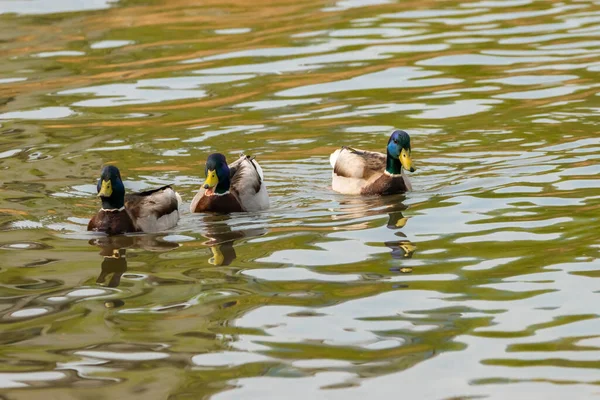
[(217, 175), (110, 188), (398, 149)]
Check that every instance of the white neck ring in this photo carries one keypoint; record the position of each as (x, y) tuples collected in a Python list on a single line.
[(112, 209), (392, 175)]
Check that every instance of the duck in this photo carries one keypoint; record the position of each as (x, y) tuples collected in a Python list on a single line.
[(237, 187), (150, 211), (362, 172)]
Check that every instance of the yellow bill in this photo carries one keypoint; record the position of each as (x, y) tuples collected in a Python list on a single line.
[(212, 180), (105, 189), (406, 161)]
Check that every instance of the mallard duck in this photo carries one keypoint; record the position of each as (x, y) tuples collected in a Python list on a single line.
[(231, 188), (151, 211), (369, 173)]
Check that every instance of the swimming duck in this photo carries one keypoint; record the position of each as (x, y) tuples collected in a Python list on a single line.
[(150, 211), (236, 187), (371, 173)]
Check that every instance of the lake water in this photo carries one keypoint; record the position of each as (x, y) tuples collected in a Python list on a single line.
[(483, 282)]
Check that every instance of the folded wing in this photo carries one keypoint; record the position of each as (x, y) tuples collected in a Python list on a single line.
[(247, 184), (154, 210), (357, 164)]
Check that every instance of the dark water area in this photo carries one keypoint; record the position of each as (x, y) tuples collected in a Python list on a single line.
[(480, 283)]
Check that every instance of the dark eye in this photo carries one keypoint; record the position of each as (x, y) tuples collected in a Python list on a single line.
[(396, 141)]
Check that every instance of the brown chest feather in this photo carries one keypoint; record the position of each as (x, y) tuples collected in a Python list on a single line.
[(386, 184), (112, 222), (220, 204)]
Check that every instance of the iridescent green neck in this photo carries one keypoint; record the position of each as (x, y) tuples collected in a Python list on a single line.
[(392, 165), (223, 185), (115, 201)]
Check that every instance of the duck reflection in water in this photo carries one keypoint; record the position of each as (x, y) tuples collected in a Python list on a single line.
[(354, 207), (221, 238), (360, 207), (115, 264), (113, 250), (400, 248)]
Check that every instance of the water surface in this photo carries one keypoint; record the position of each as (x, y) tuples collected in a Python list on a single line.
[(481, 283)]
